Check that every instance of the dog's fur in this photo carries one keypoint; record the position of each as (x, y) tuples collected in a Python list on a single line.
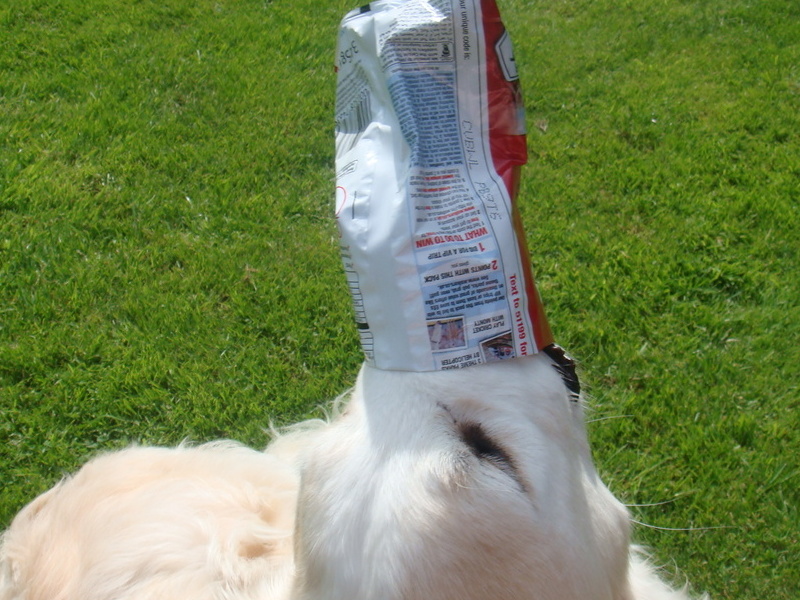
[(447, 485)]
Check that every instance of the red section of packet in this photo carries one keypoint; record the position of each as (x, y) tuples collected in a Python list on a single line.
[(509, 148)]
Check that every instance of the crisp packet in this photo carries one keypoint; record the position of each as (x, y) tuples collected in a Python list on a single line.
[(430, 138)]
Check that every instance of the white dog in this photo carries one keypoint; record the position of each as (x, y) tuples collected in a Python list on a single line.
[(450, 485)]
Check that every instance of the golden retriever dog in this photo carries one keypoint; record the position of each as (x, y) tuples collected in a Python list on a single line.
[(450, 485)]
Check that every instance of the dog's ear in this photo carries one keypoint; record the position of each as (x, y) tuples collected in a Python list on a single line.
[(565, 366)]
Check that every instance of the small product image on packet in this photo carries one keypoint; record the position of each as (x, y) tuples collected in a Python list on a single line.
[(430, 139)]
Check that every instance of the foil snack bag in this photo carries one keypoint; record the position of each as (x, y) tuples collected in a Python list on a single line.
[(430, 138)]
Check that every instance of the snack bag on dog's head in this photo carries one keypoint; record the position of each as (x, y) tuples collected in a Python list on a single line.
[(430, 138)]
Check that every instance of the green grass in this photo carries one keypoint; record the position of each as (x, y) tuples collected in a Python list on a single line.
[(169, 268)]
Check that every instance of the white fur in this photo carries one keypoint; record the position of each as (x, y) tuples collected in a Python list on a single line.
[(394, 503)]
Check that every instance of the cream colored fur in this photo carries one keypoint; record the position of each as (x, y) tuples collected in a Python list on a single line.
[(462, 485)]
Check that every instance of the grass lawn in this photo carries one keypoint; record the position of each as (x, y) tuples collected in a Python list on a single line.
[(169, 266)]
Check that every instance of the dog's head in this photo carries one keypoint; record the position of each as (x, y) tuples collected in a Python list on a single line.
[(470, 484)]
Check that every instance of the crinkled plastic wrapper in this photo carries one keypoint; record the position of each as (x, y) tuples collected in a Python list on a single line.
[(430, 138)]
